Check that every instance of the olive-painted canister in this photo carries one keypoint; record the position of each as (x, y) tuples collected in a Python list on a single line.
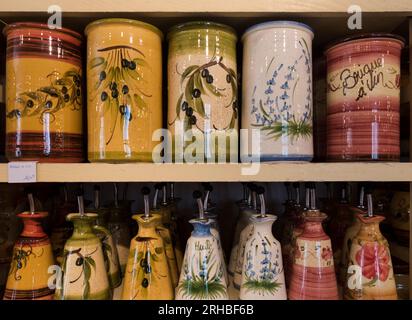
[(277, 92), (43, 94), (202, 93), (363, 76), (124, 89)]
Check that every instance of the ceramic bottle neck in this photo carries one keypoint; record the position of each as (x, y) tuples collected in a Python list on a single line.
[(313, 228), (370, 230), (201, 229), (32, 228), (263, 227), (82, 227)]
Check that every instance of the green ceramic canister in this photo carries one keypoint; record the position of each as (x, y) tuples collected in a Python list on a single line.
[(202, 95)]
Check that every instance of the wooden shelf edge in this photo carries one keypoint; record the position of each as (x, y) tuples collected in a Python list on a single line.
[(401, 7), (265, 172)]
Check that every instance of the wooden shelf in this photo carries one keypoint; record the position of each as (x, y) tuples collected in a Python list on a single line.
[(273, 172), (240, 7)]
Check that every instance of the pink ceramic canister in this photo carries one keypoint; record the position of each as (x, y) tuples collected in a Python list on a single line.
[(363, 75)]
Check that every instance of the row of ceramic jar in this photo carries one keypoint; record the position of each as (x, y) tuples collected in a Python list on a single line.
[(301, 266), (124, 88)]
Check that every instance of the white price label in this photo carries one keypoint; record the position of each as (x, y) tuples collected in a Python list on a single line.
[(22, 172)]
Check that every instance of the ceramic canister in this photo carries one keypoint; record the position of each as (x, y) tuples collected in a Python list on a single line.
[(28, 276), (277, 91), (363, 75), (202, 96), (147, 275), (124, 82), (202, 276), (43, 94), (263, 276), (313, 273), (84, 275), (370, 270)]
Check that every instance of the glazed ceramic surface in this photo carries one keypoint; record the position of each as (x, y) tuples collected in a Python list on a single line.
[(214, 230), (277, 91), (111, 258), (147, 275), (43, 94), (240, 256), (119, 228), (351, 232), (84, 271), (202, 95), (7, 239), (262, 273), (363, 76), (313, 273), (292, 228), (370, 271), (28, 277), (240, 225), (202, 276), (124, 84), (165, 233)]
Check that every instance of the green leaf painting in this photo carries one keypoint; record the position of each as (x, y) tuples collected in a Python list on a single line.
[(197, 82), (119, 86), (64, 90)]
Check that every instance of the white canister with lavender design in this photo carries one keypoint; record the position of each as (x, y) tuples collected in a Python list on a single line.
[(277, 92)]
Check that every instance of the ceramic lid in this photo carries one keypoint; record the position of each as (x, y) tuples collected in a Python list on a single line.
[(259, 219), (364, 37), (77, 216), (193, 25), (40, 26), (35, 215), (278, 24), (135, 23)]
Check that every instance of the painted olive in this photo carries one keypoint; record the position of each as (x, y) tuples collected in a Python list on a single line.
[(115, 93), (145, 283), (19, 265), (104, 96), (78, 92), (143, 263), (64, 90), (125, 63), (125, 89), (130, 117), (132, 65), (196, 93), (102, 75), (205, 73), (66, 98), (79, 261), (193, 120), (209, 79), (189, 112), (49, 104), (29, 104), (228, 78), (113, 86), (184, 105), (122, 109)]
